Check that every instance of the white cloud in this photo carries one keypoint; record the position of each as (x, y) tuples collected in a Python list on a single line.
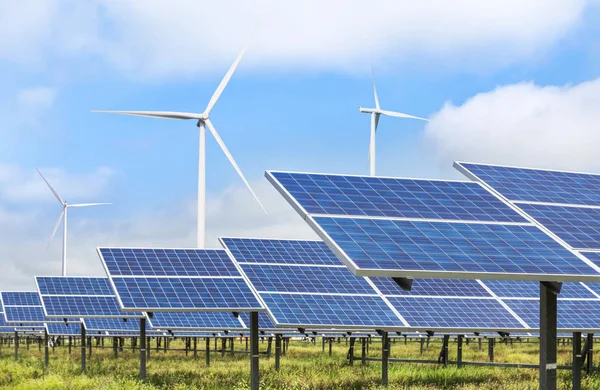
[(19, 185), (36, 98), (24, 234), (185, 37), (522, 124)]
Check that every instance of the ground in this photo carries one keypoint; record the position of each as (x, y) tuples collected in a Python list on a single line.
[(304, 367)]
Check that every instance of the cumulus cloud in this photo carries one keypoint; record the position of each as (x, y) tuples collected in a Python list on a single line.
[(522, 124), (185, 37), (233, 212)]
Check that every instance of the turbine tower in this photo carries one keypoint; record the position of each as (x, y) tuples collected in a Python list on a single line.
[(375, 113), (61, 217), (202, 123)]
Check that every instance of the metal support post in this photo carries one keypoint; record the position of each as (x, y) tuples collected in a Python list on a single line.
[(142, 348), (277, 351), (491, 342), (422, 344), (115, 347), (254, 352), (70, 341), (207, 352), (223, 346), (16, 346), (83, 354), (548, 322), (323, 349), (576, 361), (443, 357), (269, 343), (195, 347), (590, 353), (385, 346), (459, 342), (148, 349), (330, 347), (364, 351), (351, 351), (46, 352)]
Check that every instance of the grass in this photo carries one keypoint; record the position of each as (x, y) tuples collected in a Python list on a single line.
[(304, 367)]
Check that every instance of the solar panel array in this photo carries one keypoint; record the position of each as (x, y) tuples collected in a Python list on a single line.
[(153, 280), (25, 306), (196, 321), (566, 203), (57, 329), (111, 324), (426, 228), (320, 292), (64, 296)]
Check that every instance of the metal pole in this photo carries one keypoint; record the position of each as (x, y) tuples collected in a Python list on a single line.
[(148, 349), (576, 360), (207, 352), (384, 358), (83, 337), (351, 351), (46, 357), (223, 346), (195, 347), (115, 347), (548, 322), (16, 346), (277, 351), (330, 347), (142, 348), (364, 351), (254, 353), (590, 353), (459, 342), (70, 341)]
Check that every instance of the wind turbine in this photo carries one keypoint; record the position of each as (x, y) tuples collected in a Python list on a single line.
[(375, 113), (203, 121), (63, 215)]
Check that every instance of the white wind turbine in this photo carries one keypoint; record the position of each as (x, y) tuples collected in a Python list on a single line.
[(203, 121), (375, 113), (63, 215)]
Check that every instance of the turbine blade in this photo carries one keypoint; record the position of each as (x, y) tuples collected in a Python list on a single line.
[(223, 84), (156, 114), (60, 217), (86, 204), (231, 160), (374, 89), (401, 115), (62, 202)]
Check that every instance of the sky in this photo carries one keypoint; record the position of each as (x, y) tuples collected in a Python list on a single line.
[(507, 82)]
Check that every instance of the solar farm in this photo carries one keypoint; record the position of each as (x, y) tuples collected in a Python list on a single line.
[(506, 259)]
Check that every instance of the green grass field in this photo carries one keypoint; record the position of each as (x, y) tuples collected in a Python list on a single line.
[(304, 367)]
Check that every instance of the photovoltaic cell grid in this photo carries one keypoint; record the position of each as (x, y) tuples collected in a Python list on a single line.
[(25, 306), (537, 185), (389, 197), (56, 329), (112, 324), (323, 295), (573, 212), (154, 280), (64, 296), (217, 321), (481, 245)]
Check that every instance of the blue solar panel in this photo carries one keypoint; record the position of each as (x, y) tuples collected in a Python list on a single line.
[(390, 197), (289, 278), (248, 250), (24, 314), (577, 226), (63, 329), (186, 280), (330, 310), (428, 313), (83, 306), (537, 185), (167, 262), (21, 298), (577, 315), (112, 324), (264, 321), (531, 289), (73, 286), (417, 248), (195, 320), (433, 287), (185, 294)]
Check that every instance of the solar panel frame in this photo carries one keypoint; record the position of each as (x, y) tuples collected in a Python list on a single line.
[(66, 293), (179, 279), (27, 313), (58, 329), (132, 325), (196, 324)]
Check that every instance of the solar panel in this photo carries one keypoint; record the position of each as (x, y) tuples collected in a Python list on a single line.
[(529, 289), (153, 280), (56, 329), (537, 185), (391, 197), (111, 324), (195, 321), (577, 226), (21, 298), (463, 313), (374, 247), (25, 306), (483, 237), (64, 296), (572, 315), (323, 295)]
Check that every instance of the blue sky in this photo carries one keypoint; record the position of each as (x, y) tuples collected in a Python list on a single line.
[(502, 82)]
